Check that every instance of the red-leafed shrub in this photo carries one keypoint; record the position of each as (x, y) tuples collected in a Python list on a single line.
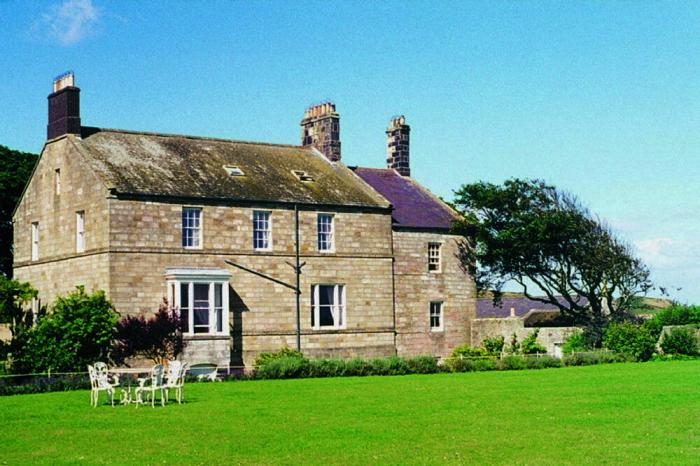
[(157, 338)]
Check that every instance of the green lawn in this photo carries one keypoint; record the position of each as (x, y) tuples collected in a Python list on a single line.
[(616, 414)]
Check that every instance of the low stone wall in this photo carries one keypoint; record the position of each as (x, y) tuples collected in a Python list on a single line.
[(551, 338)]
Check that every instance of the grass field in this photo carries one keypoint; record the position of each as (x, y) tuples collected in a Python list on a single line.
[(616, 414)]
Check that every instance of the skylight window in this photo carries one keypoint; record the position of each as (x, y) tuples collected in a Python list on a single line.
[(233, 170), (302, 175)]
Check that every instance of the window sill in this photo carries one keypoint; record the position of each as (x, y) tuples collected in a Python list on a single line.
[(206, 336)]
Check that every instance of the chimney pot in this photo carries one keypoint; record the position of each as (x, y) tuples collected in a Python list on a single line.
[(320, 128)]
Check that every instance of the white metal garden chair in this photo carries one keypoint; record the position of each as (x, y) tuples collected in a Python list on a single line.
[(99, 381), (155, 385), (175, 379)]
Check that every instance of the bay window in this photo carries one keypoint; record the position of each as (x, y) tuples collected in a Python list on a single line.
[(201, 295)]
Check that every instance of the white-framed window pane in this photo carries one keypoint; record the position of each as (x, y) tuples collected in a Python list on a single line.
[(191, 227), (434, 257), (200, 308), (80, 231), (219, 307), (325, 232), (261, 230), (185, 306), (436, 315), (327, 306), (35, 241)]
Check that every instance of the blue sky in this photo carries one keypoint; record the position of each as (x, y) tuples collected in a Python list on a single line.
[(599, 98)]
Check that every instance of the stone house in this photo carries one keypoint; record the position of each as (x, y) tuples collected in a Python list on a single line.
[(145, 216)]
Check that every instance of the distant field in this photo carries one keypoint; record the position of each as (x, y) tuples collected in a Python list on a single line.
[(616, 414)]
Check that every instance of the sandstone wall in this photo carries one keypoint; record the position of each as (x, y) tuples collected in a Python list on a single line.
[(262, 313), (416, 287), (59, 267)]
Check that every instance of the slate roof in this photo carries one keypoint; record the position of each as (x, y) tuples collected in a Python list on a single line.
[(154, 164), (521, 305), (414, 206)]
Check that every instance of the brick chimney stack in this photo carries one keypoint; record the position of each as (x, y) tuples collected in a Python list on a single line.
[(64, 107), (397, 145), (320, 128)]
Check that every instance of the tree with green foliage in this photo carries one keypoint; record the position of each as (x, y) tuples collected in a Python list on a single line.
[(76, 332), (676, 314), (630, 339), (680, 340), (15, 169), (530, 345), (531, 234), (14, 298), (494, 345)]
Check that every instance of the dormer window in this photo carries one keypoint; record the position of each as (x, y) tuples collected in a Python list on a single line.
[(232, 170), (302, 175)]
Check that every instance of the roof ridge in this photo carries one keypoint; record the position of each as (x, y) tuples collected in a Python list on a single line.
[(377, 169), (189, 136)]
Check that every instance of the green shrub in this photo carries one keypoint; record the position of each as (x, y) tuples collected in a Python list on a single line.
[(574, 343), (423, 365), (327, 368), (467, 351), (398, 366), (513, 347), (594, 357), (285, 367), (358, 367), (542, 362), (494, 345), (286, 352), (33, 384), (484, 364), (459, 365), (530, 345), (379, 366), (512, 363), (629, 339), (76, 333), (680, 340)]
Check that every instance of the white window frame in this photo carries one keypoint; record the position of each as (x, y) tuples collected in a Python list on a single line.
[(57, 181), (197, 239), (211, 277), (435, 259), (35, 241), (331, 233), (254, 222), (80, 231), (440, 315), (338, 308)]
